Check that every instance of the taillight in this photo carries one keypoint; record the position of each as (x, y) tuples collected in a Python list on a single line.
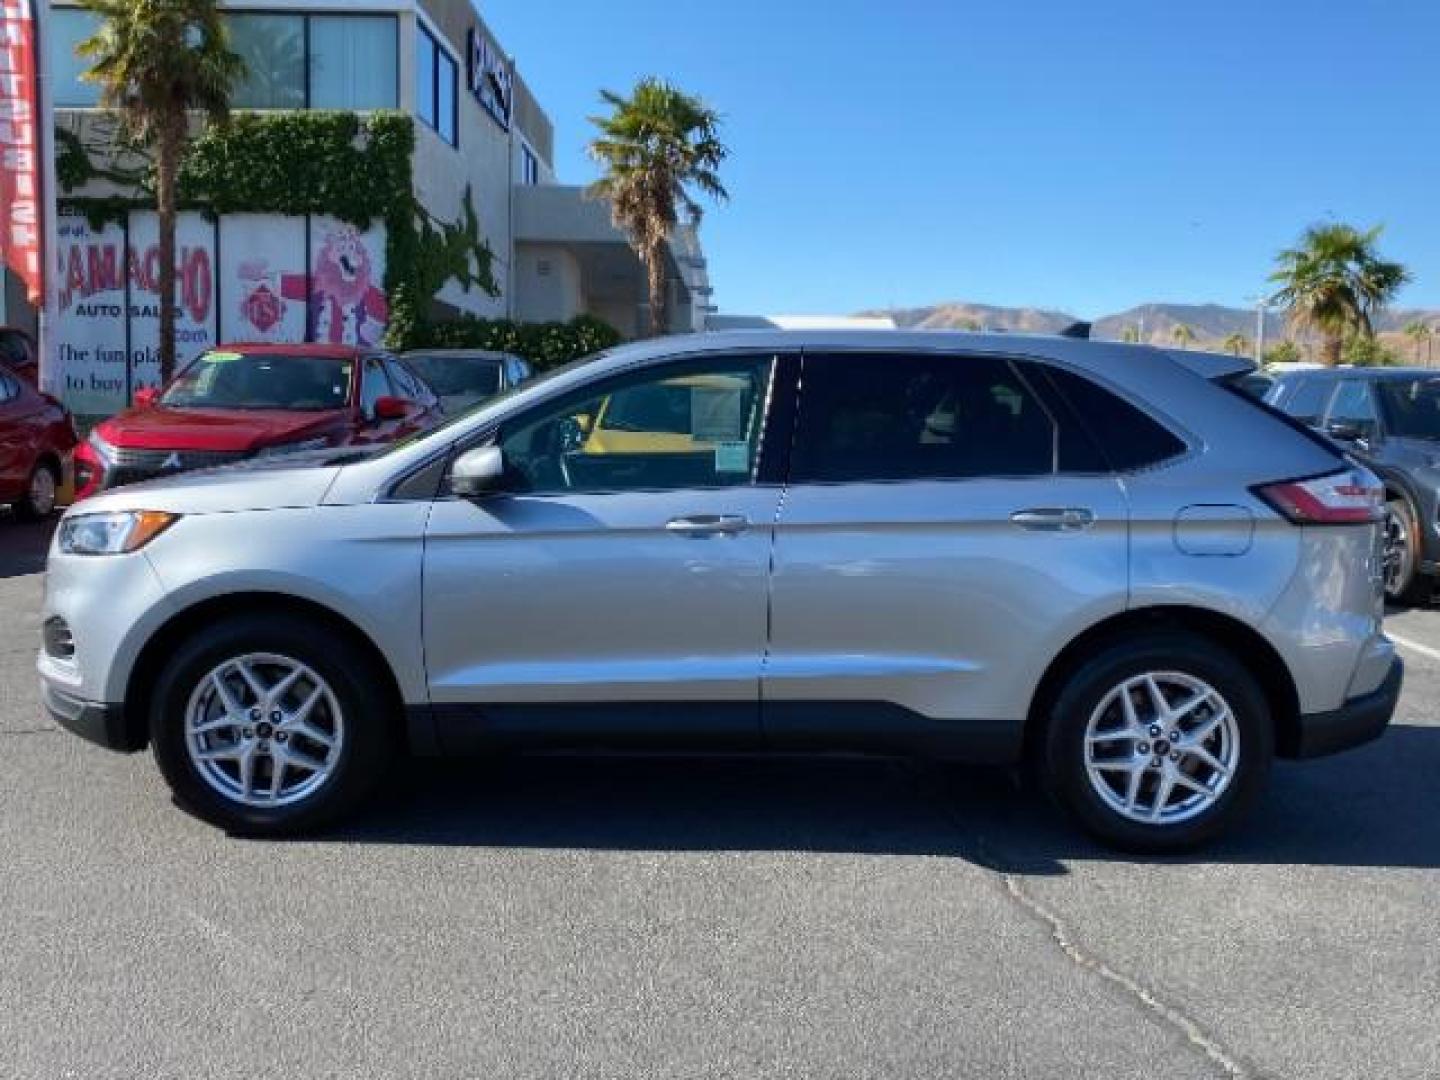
[(1348, 497)]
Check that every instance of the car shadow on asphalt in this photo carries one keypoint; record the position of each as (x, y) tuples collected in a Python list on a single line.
[(23, 545), (1373, 807)]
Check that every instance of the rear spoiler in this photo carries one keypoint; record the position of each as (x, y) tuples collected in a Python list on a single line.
[(1217, 367)]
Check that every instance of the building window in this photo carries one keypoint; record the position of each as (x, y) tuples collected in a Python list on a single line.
[(273, 48), (529, 166), (316, 61), (67, 28), (437, 82), (352, 61)]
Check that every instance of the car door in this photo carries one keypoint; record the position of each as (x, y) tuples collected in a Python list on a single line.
[(620, 569), (930, 556)]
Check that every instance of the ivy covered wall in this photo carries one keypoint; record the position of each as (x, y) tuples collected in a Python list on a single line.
[(356, 168)]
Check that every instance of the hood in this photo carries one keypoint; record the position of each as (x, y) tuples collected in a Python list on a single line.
[(283, 481), (238, 430)]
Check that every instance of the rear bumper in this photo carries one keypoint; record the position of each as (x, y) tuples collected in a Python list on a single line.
[(1358, 721), (103, 725)]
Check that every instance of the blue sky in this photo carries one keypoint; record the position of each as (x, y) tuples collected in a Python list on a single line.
[(1057, 153)]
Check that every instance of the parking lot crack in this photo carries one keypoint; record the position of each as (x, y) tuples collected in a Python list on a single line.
[(984, 855), (1061, 934)]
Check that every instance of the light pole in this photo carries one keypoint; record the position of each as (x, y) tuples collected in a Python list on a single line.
[(1262, 305)]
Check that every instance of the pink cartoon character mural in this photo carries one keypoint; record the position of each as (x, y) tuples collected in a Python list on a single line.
[(347, 306)]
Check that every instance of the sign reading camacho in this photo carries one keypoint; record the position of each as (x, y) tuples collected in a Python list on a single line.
[(490, 79), (19, 151)]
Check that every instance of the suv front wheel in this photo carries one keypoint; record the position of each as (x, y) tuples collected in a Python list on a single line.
[(269, 725), (1159, 744)]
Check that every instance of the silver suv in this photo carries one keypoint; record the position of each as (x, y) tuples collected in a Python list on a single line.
[(1101, 560)]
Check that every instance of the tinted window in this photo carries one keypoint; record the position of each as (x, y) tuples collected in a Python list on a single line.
[(1306, 400), (1412, 406), (680, 426), (1354, 404), (898, 417), (1127, 437)]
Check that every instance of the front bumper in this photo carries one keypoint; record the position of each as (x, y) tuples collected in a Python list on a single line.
[(1358, 721), (103, 725)]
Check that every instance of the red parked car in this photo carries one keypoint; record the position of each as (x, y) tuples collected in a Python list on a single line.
[(36, 437), (241, 401)]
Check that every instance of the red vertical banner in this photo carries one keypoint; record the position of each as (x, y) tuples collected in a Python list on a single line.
[(20, 224)]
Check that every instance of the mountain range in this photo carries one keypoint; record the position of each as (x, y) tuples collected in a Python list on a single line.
[(1210, 323)]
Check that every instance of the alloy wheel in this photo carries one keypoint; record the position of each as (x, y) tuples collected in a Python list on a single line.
[(42, 491), (1398, 554), (264, 730), (1161, 747)]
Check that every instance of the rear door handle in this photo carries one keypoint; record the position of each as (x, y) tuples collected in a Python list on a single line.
[(707, 525), (1054, 518)]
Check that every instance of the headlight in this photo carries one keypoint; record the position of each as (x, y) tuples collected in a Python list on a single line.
[(112, 534), (294, 447)]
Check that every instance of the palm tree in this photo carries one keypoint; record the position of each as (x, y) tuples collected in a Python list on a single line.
[(1237, 344), (155, 61), (1420, 333), (1130, 334), (1182, 335), (1335, 282), (655, 146)]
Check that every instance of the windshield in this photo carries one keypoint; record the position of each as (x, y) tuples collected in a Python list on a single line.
[(1412, 407), (458, 376), (228, 380)]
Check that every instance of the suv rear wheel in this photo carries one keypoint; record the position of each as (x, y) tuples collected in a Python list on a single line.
[(268, 725), (1158, 745), (1403, 582)]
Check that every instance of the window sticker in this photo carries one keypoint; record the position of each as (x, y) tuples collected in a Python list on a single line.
[(732, 457), (221, 357), (717, 416)]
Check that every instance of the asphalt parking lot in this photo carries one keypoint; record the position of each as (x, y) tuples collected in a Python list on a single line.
[(622, 917)]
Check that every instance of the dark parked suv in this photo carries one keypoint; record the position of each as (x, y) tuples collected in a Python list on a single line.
[(1389, 418)]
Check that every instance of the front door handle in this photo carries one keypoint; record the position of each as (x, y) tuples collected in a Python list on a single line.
[(707, 525), (1054, 518)]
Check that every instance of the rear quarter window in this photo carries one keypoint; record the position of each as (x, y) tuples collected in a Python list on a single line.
[(1127, 436)]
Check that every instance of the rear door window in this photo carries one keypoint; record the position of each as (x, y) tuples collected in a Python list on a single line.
[(1354, 405), (897, 417)]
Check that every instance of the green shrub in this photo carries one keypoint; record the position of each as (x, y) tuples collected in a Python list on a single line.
[(545, 345)]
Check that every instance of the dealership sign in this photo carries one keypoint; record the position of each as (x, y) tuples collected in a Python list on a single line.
[(490, 78), (19, 149)]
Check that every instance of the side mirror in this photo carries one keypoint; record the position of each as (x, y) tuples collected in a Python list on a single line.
[(392, 408), (146, 396), (477, 472)]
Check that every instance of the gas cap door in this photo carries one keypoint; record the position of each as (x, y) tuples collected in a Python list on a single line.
[(1209, 529)]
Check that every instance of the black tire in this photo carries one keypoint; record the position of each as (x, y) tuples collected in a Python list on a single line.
[(26, 507), (1062, 751), (1407, 585), (370, 737)]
